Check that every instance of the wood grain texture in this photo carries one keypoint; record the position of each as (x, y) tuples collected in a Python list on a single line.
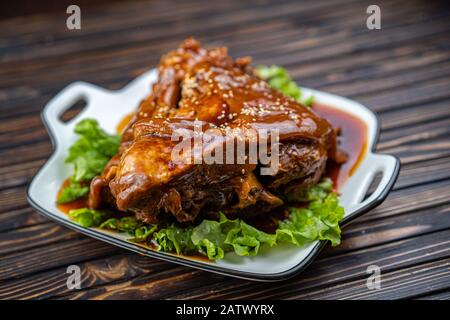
[(401, 71)]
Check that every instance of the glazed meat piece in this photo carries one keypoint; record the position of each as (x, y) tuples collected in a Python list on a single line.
[(196, 85)]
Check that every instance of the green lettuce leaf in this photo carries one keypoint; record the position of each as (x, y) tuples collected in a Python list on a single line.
[(89, 155), (87, 217), (319, 220), (92, 151), (209, 236), (124, 224), (174, 238), (214, 238), (72, 192), (246, 240), (279, 79), (142, 233), (134, 227)]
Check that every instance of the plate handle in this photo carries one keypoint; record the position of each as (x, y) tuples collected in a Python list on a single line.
[(61, 103), (389, 167)]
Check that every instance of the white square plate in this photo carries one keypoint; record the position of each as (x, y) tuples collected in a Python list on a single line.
[(109, 107)]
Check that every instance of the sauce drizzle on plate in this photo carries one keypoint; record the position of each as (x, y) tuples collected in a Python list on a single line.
[(352, 140)]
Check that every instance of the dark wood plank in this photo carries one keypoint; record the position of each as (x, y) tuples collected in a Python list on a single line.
[(216, 21), (98, 24), (376, 85), (424, 172), (362, 234), (420, 93), (399, 284), (421, 150), (95, 273), (393, 120), (34, 236), (419, 132), (75, 251), (127, 60), (415, 198), (18, 174), (19, 218)]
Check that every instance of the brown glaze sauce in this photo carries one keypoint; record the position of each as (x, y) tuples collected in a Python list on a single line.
[(352, 140), (123, 123)]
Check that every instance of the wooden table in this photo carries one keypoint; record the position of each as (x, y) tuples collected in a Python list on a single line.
[(401, 71)]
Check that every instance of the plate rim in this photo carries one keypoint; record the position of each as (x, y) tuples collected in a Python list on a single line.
[(286, 274)]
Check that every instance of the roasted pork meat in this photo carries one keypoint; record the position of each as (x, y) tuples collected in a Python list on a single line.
[(207, 86)]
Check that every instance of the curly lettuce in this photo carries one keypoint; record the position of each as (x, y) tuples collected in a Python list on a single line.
[(72, 191), (213, 238), (89, 155), (319, 220), (87, 217), (279, 79)]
